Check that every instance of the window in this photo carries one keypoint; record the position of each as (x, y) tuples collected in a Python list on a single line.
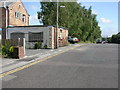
[(23, 18), (16, 35), (35, 36), (15, 14), (60, 33), (18, 15), (19, 6)]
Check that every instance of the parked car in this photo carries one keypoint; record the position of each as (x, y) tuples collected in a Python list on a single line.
[(104, 42), (99, 41), (72, 39)]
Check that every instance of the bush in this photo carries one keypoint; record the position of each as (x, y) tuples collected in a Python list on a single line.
[(109, 39), (38, 45), (45, 47), (10, 52), (115, 39), (7, 50)]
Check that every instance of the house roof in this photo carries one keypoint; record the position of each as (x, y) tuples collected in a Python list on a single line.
[(4, 3), (36, 26), (27, 26)]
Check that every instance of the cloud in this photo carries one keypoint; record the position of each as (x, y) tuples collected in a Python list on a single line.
[(105, 20), (33, 20)]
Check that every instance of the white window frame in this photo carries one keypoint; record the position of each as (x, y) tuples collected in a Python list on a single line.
[(18, 15)]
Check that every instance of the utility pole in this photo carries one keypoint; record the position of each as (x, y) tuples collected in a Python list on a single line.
[(57, 23), (57, 26)]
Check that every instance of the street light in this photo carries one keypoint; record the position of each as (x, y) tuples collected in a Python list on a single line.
[(62, 6), (57, 27), (57, 24)]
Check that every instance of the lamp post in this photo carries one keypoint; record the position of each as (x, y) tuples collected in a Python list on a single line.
[(57, 28), (57, 24), (91, 30)]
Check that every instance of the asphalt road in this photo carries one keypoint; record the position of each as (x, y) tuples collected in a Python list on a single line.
[(91, 66)]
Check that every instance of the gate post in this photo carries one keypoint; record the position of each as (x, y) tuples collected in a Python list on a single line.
[(24, 45), (18, 42)]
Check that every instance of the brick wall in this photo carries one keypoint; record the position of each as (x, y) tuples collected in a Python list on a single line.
[(2, 17), (63, 41), (18, 51)]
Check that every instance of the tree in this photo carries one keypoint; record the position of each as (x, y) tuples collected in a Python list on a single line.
[(80, 21), (115, 39)]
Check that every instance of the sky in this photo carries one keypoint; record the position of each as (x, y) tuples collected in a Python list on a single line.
[(107, 15)]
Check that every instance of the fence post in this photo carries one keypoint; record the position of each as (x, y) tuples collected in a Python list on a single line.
[(24, 45)]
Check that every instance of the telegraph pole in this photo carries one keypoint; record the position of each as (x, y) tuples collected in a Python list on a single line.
[(57, 27)]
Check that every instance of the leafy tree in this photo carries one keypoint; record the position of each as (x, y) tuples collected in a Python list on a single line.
[(80, 21)]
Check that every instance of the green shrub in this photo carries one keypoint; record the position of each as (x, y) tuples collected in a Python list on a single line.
[(115, 39), (10, 52), (109, 39), (7, 50), (38, 45), (45, 47), (4, 50)]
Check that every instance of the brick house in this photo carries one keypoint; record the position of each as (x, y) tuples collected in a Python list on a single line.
[(17, 15), (12, 14)]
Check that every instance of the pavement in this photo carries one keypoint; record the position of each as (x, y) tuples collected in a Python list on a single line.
[(88, 66), (31, 55)]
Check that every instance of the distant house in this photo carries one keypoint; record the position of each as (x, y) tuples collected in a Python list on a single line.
[(44, 34)]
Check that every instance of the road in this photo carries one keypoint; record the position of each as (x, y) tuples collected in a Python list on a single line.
[(90, 66)]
